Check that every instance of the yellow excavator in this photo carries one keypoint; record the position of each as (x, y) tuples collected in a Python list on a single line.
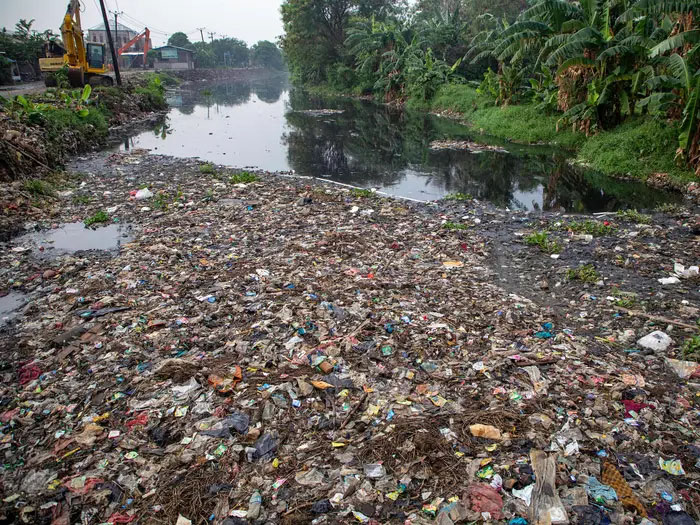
[(85, 60)]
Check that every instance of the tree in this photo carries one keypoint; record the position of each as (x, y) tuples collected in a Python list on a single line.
[(266, 54), (203, 55), (230, 52), (315, 33), (179, 39)]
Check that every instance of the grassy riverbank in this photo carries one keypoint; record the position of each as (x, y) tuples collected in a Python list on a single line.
[(638, 148)]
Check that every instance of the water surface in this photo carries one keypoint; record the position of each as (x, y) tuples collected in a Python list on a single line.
[(270, 126), (73, 237)]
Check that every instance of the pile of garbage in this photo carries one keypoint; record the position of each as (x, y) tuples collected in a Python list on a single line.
[(281, 350), (471, 147)]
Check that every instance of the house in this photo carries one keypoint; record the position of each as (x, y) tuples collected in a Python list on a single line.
[(173, 57), (120, 36)]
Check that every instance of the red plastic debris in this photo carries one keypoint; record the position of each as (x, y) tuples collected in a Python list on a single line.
[(485, 498)]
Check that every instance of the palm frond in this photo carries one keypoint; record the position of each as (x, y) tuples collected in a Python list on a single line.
[(675, 42), (579, 61)]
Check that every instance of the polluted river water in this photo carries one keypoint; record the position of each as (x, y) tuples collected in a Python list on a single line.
[(274, 127)]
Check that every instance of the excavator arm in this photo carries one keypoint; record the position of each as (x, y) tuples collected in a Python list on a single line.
[(146, 37), (72, 33)]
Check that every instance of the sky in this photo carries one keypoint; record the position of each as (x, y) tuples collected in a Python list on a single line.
[(247, 20)]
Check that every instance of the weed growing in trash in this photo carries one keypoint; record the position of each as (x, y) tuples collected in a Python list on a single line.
[(586, 273), (81, 199), (691, 349), (99, 217), (670, 208), (363, 193), (455, 226), (624, 299), (541, 240), (39, 188), (243, 177), (207, 169), (633, 216), (595, 228), (458, 197)]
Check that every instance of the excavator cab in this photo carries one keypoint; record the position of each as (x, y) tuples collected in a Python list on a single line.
[(95, 55)]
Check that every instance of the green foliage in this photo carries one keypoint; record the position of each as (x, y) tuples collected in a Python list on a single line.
[(595, 228), (39, 188), (98, 218), (594, 67), (543, 242), (691, 349), (152, 94), (266, 54), (244, 177), (361, 193), (460, 197), (586, 274), (633, 216), (180, 39), (639, 147), (207, 169), (455, 226)]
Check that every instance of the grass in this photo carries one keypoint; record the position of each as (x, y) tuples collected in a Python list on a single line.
[(639, 147), (543, 242), (98, 218), (39, 188), (357, 192), (595, 228), (691, 349), (519, 123), (460, 197), (243, 177), (455, 226), (586, 274), (633, 216), (207, 169)]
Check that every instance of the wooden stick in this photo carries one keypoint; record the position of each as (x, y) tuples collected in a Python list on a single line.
[(352, 412), (304, 506), (655, 318)]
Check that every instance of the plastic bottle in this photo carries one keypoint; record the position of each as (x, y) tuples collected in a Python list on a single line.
[(254, 506)]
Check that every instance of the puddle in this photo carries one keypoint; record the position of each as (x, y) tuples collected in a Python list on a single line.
[(9, 304), (74, 237)]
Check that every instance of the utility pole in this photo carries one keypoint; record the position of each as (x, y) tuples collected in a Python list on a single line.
[(211, 37), (201, 32), (111, 44), (116, 25)]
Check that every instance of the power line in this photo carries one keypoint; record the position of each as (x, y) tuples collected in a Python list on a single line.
[(134, 20)]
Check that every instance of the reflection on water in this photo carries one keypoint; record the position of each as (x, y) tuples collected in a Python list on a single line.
[(74, 237), (267, 125)]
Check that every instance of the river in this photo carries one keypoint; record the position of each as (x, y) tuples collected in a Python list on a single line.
[(271, 126)]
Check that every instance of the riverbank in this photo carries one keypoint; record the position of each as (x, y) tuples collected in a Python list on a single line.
[(341, 353), (643, 148), (42, 130)]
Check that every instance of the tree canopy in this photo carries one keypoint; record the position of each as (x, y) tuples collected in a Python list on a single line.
[(266, 54), (180, 39)]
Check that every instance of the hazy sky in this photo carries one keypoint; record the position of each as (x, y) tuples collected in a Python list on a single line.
[(245, 19)]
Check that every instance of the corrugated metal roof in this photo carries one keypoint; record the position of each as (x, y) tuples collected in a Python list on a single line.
[(173, 47)]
